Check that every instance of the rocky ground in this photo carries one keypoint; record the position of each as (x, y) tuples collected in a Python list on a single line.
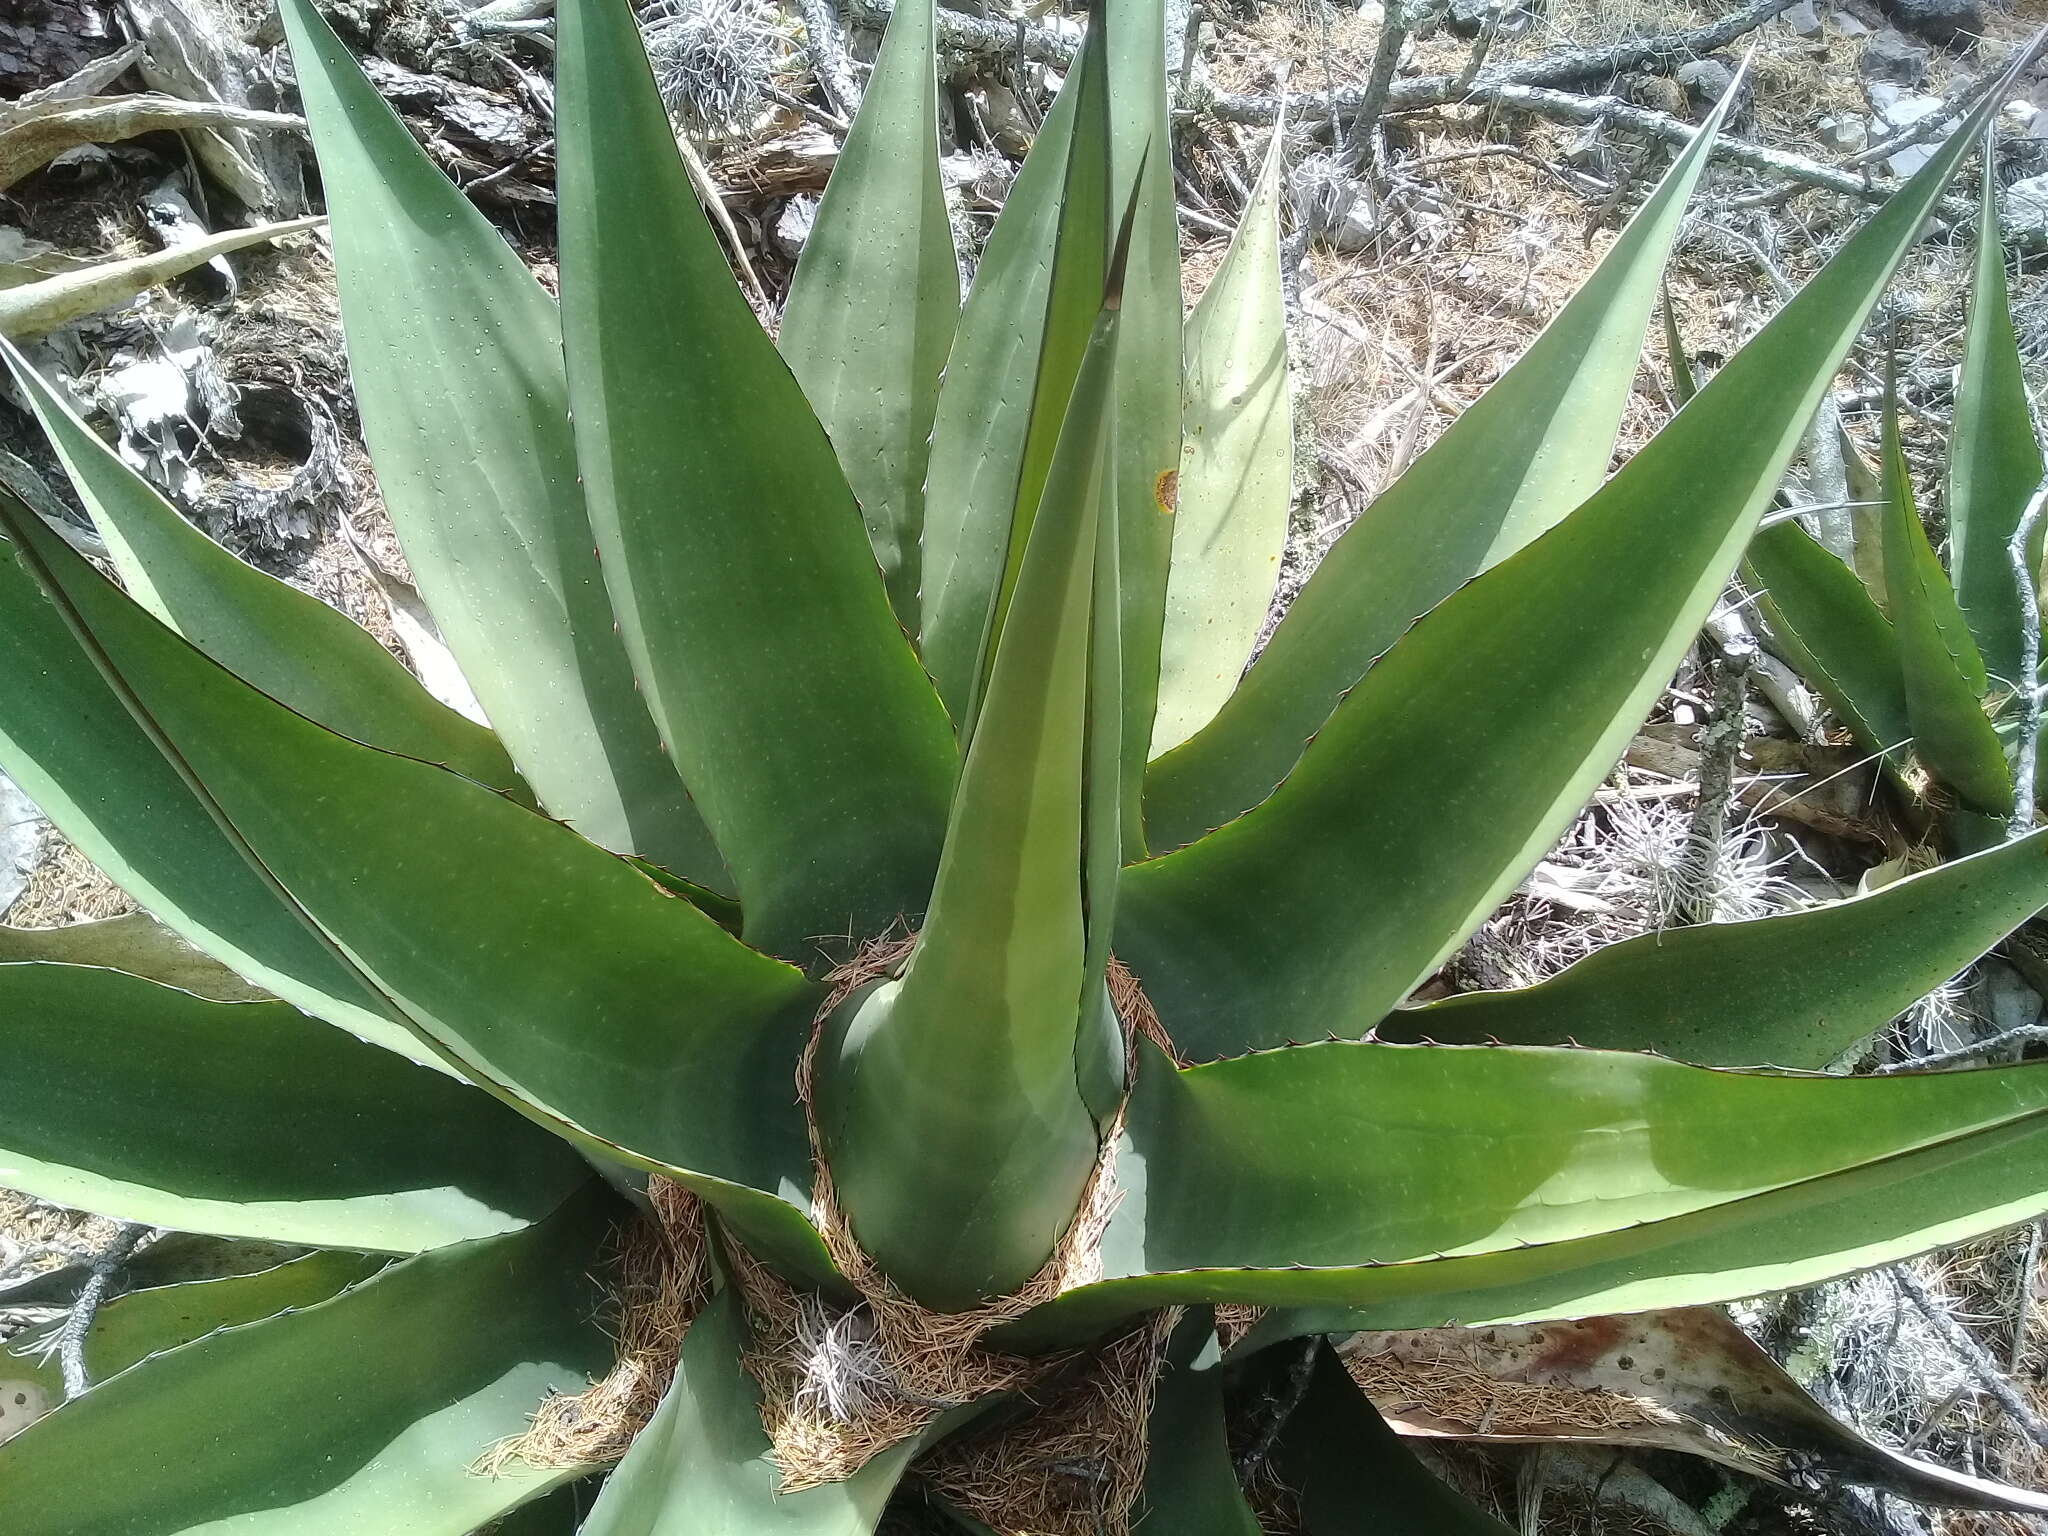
[(1436, 220)]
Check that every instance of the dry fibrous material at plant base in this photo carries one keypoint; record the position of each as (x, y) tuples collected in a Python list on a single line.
[(843, 1383)]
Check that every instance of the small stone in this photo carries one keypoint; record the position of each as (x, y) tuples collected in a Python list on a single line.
[(1843, 135), (1804, 19), (793, 224), (1891, 56), (1706, 81), (2025, 212)]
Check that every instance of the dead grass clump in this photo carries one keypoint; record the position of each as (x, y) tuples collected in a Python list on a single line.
[(663, 1280), (1074, 1466), (66, 887)]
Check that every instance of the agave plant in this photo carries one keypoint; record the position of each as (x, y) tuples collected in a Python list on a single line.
[(813, 830), (1925, 664)]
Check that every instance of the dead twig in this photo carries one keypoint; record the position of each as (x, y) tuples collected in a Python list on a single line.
[(1981, 1365), (106, 1264), (1720, 745)]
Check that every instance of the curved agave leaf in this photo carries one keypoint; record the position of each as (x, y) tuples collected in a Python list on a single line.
[(748, 596), (1354, 1476), (875, 297), (139, 1324), (419, 1371), (1236, 472), (1466, 750), (136, 944), (66, 738), (1419, 1186), (1148, 394), (983, 415), (1191, 1486), (584, 994), (1791, 991), (959, 1132), (291, 645), (251, 1120), (1994, 460), (1823, 618), (1720, 1395), (1944, 674), (456, 352), (701, 1467), (1531, 449)]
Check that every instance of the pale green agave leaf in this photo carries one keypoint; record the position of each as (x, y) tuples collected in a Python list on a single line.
[(1465, 752), (875, 297), (1796, 990), (983, 414), (756, 620), (1191, 1485), (361, 1413), (1405, 1186), (286, 642), (1236, 472), (456, 352), (1824, 620), (251, 1120), (1944, 674), (1994, 459), (1529, 451)]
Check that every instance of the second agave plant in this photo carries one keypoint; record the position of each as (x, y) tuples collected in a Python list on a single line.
[(883, 1002)]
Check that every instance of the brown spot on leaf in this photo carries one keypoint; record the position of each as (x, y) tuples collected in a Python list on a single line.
[(1166, 490)]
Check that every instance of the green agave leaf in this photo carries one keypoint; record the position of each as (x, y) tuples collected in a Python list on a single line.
[(1824, 621), (132, 1327), (173, 1258), (252, 1120), (1944, 675), (748, 596), (1994, 460), (549, 971), (1148, 394), (291, 645), (875, 297), (137, 944), (1074, 295), (67, 740), (702, 1466), (1790, 991), (1465, 752), (1190, 1484), (1236, 472), (1353, 1475), (456, 352), (362, 1413), (961, 1152), (984, 411), (1422, 1186), (1533, 447)]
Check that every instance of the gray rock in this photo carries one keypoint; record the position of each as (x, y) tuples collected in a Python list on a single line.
[(1706, 81), (793, 224), (1892, 56), (1843, 135), (1939, 21), (1804, 19), (2025, 212)]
